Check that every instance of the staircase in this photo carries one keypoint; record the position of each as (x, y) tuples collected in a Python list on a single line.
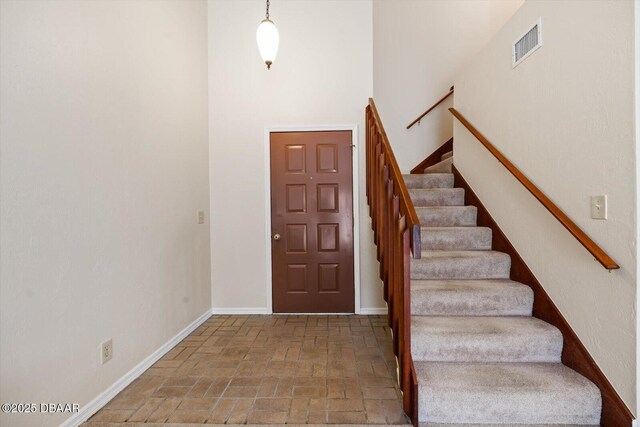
[(480, 357)]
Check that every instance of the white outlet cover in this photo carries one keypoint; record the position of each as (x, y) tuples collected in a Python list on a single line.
[(200, 217), (599, 207), (106, 351)]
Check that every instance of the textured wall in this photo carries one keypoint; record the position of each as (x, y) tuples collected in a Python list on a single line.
[(103, 167), (565, 117), (418, 49), (321, 76)]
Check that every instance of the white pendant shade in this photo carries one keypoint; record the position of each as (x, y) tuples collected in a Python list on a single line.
[(268, 39)]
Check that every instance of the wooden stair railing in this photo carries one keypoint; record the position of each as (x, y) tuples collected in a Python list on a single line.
[(440, 101), (600, 255), (397, 234)]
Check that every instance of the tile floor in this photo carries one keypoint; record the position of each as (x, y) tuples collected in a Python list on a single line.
[(269, 370)]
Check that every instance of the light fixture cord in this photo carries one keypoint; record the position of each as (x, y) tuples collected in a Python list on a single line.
[(267, 9)]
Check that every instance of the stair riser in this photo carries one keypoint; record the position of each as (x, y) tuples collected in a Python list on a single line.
[(505, 393), (489, 351), (501, 408), (480, 268), (463, 216), (443, 167), (471, 304), (444, 180), (500, 425), (439, 197), (446, 339), (473, 238), (445, 156)]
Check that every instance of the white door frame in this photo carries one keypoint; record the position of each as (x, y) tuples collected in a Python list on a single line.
[(355, 194)]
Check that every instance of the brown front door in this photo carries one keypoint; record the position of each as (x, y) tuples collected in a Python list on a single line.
[(312, 222)]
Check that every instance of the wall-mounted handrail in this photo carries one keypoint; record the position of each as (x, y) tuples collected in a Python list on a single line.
[(595, 250), (440, 101), (396, 234)]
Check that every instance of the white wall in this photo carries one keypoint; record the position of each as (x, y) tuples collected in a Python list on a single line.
[(321, 76), (419, 47), (636, 9), (103, 167), (565, 117)]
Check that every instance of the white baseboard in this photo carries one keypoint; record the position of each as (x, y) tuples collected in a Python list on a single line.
[(240, 310), (265, 310), (312, 314), (373, 311), (103, 398)]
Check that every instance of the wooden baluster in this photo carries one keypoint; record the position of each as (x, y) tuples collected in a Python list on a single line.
[(377, 180), (372, 164), (388, 245), (374, 168), (384, 209), (372, 150), (369, 166), (376, 186), (367, 115), (406, 320), (388, 224), (380, 203), (396, 268), (399, 227)]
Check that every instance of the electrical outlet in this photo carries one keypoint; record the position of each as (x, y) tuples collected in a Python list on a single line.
[(599, 207), (200, 217), (106, 352)]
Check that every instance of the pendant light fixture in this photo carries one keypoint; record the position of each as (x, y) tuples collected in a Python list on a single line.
[(268, 39)]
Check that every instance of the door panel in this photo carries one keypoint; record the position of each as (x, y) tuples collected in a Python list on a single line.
[(312, 212)]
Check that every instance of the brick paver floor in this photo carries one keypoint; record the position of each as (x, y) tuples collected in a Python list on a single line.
[(269, 370)]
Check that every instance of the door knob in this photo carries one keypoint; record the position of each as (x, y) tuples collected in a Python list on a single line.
[(276, 236)]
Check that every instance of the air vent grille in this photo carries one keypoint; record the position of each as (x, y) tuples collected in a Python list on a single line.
[(528, 43)]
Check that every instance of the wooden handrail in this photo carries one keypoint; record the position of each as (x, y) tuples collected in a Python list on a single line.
[(595, 250), (431, 108), (396, 234), (413, 223)]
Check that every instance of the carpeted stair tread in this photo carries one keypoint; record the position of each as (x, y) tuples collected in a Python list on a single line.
[(484, 339), (446, 155), (501, 297), (444, 166), (461, 265), (505, 393), (431, 180), (447, 216), (481, 360), (500, 425), (456, 238), (437, 196)]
